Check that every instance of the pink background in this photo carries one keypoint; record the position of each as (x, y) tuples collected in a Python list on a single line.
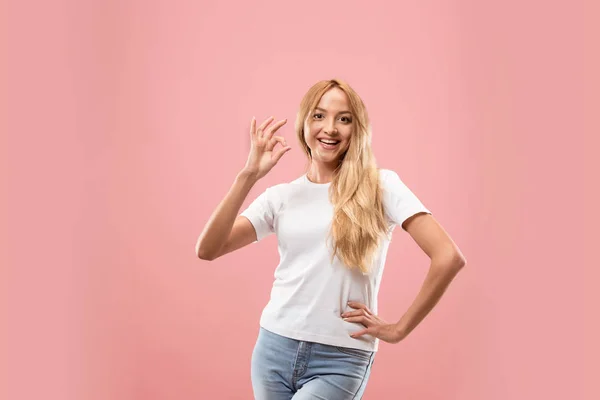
[(125, 122)]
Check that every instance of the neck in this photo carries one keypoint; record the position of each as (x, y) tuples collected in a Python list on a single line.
[(320, 173)]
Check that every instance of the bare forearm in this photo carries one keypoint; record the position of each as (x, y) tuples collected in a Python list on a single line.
[(441, 273), (220, 223)]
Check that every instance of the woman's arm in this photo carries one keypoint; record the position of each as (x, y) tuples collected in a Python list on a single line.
[(220, 224), (446, 261), (225, 231)]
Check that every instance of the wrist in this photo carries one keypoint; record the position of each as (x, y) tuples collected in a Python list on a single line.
[(247, 175)]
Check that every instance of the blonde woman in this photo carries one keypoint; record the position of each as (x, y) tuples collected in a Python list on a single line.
[(320, 330)]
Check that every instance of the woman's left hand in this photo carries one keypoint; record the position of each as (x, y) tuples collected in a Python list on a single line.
[(374, 325)]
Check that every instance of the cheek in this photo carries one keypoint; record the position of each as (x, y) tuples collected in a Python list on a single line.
[(348, 137), (307, 137), (309, 140), (310, 134)]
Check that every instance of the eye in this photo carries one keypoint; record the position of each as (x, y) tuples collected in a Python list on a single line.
[(348, 120), (316, 115)]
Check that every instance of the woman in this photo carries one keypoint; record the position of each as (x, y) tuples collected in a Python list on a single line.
[(320, 330)]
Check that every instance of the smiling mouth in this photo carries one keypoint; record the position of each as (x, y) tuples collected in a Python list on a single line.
[(329, 144)]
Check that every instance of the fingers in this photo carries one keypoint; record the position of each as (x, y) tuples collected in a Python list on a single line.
[(361, 320), (361, 316), (357, 313), (264, 125), (359, 333), (281, 152), (276, 139), (271, 130), (253, 127), (263, 131), (355, 304), (266, 133)]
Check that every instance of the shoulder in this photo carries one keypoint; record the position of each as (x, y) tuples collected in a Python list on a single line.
[(388, 178), (391, 182), (384, 173), (279, 191), (286, 186)]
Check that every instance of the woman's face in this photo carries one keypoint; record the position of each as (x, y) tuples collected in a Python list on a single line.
[(330, 121)]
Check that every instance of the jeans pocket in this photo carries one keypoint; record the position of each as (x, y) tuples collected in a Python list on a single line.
[(363, 354)]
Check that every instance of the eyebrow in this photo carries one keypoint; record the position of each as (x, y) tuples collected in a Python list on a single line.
[(341, 112)]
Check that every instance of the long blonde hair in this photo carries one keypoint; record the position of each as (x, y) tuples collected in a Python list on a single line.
[(358, 217)]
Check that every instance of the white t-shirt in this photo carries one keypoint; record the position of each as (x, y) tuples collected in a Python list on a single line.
[(310, 293)]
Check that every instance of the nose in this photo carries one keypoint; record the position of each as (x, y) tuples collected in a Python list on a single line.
[(330, 128)]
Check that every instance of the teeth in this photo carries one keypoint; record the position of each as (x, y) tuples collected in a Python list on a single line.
[(328, 141)]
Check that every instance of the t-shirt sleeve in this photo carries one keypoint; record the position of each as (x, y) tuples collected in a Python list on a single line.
[(261, 214), (399, 202)]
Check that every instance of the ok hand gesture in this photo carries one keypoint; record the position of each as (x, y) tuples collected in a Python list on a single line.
[(263, 155)]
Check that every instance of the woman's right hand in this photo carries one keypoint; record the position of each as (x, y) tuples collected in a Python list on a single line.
[(263, 155)]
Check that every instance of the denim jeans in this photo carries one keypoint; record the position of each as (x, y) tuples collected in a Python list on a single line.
[(285, 368)]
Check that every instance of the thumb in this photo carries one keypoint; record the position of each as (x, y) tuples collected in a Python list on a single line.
[(281, 152), (359, 333)]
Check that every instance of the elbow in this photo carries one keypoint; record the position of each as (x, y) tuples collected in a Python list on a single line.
[(203, 251), (461, 264), (454, 261), (204, 255), (458, 261)]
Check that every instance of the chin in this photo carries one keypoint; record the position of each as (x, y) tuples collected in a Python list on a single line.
[(329, 160)]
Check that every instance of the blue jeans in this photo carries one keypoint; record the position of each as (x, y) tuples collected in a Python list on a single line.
[(285, 368)]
